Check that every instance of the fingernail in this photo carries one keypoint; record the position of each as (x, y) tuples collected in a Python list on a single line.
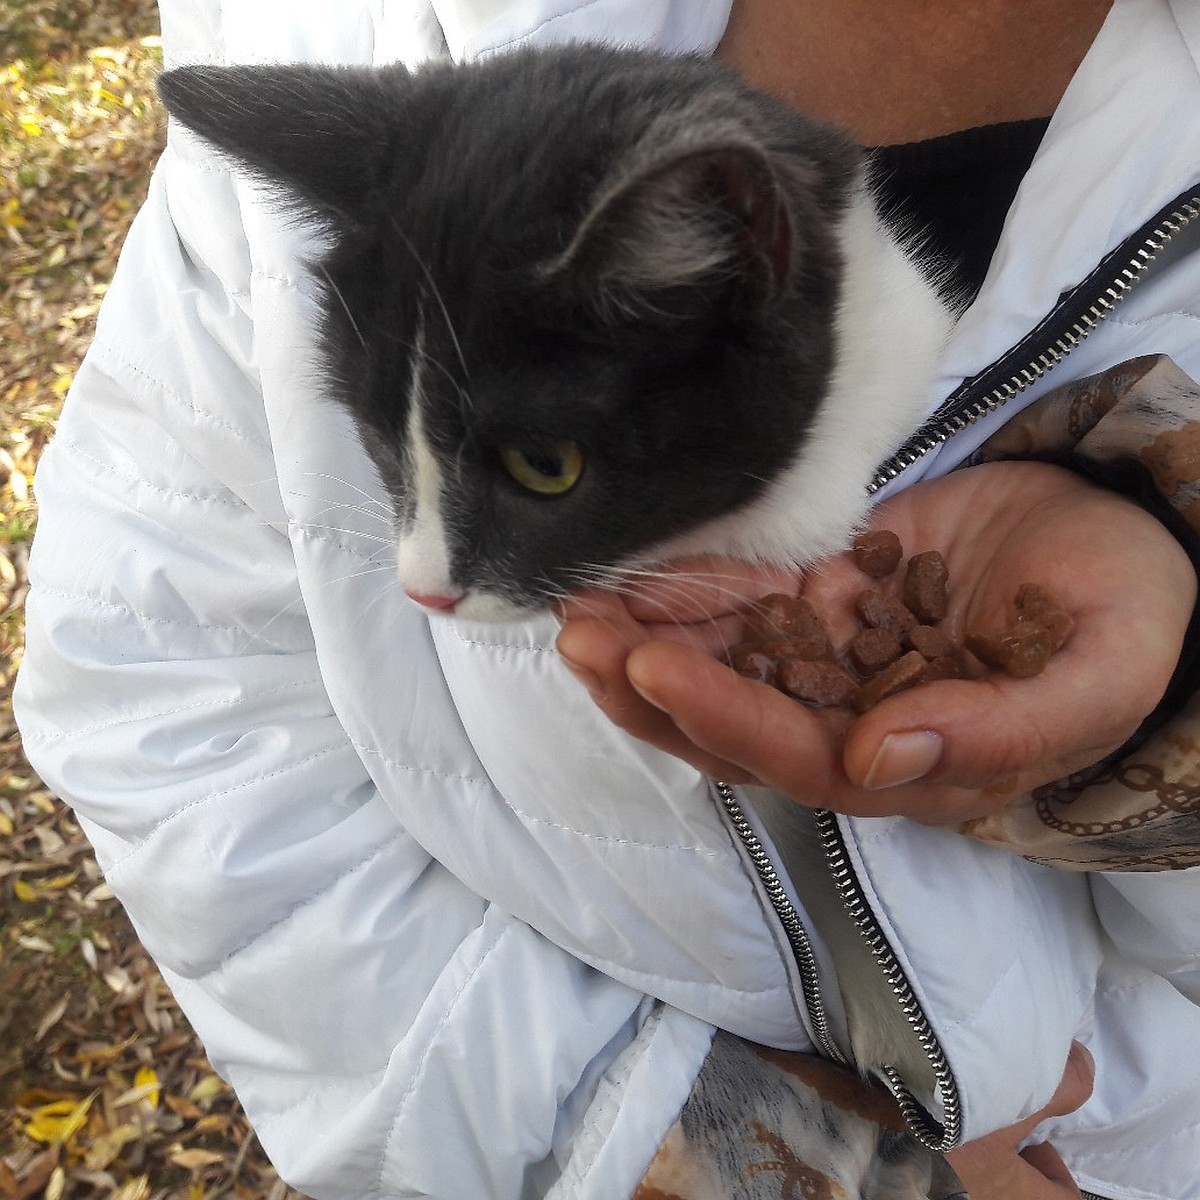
[(903, 757)]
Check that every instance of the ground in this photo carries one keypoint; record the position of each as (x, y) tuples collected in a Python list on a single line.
[(105, 1093)]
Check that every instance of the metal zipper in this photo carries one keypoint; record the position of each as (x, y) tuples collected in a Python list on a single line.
[(935, 1135), (789, 918), (1077, 314)]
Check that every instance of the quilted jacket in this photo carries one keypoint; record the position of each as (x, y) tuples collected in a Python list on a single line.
[(446, 931)]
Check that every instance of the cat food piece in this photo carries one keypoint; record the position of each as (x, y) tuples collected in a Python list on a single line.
[(752, 661), (781, 617), (946, 666), (871, 650), (1040, 606), (879, 611), (877, 554), (1023, 649), (810, 646), (932, 641), (905, 672), (925, 586), (822, 684)]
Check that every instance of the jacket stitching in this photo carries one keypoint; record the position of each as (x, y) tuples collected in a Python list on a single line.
[(304, 903), (133, 477), (413, 768), (114, 356), (170, 818), (148, 619), (521, 38), (46, 739), (315, 533), (419, 1066)]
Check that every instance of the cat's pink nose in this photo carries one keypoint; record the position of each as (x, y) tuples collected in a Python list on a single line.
[(434, 601)]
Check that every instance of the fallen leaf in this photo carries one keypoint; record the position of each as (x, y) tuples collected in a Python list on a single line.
[(57, 1122), (195, 1160), (51, 1018)]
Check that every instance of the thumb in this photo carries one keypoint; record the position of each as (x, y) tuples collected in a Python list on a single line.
[(1073, 1091)]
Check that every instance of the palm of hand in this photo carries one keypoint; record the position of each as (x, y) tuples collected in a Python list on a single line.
[(1127, 583)]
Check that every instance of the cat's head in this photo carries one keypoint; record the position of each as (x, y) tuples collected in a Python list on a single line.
[(580, 302)]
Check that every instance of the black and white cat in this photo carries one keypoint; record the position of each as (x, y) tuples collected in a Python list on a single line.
[(589, 308)]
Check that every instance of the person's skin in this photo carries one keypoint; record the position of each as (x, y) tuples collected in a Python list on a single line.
[(949, 751)]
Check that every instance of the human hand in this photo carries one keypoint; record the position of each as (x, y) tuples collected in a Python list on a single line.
[(947, 751), (993, 1168)]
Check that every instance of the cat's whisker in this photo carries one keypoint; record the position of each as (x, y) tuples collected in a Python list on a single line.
[(337, 293), (436, 292), (374, 501)]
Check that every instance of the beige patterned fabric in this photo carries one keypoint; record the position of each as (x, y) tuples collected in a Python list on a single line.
[(766, 1124), (1143, 813)]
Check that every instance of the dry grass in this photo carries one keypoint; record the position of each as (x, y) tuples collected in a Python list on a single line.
[(104, 1090)]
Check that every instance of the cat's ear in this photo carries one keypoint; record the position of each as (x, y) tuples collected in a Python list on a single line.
[(713, 216), (320, 133)]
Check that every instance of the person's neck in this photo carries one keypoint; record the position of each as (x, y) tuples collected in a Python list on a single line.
[(908, 70)]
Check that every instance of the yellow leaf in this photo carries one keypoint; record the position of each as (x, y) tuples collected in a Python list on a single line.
[(25, 891), (59, 1121), (58, 882), (208, 1088), (6, 825), (147, 1077), (31, 127)]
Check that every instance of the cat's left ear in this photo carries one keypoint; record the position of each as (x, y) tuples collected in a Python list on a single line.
[(717, 215), (318, 133)]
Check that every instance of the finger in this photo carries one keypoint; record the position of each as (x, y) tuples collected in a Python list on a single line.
[(1072, 1093), (1048, 1162), (597, 653), (761, 733), (1005, 735)]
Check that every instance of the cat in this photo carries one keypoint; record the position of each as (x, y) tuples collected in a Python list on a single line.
[(590, 308)]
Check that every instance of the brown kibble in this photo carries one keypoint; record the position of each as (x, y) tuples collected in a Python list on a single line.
[(788, 647), (879, 611), (925, 586), (1023, 649), (822, 684), (946, 666), (931, 640), (780, 617), (1040, 606), (905, 672), (877, 553), (871, 650), (812, 646), (751, 661)]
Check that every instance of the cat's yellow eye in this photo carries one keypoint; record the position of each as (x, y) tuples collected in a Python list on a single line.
[(547, 470)]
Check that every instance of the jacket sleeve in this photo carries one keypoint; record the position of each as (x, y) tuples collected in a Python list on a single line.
[(384, 1025), (1133, 820)]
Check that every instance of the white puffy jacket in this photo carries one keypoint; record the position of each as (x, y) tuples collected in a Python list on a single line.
[(446, 931)]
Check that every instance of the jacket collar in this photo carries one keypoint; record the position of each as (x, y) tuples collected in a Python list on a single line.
[(1124, 142), (474, 28)]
